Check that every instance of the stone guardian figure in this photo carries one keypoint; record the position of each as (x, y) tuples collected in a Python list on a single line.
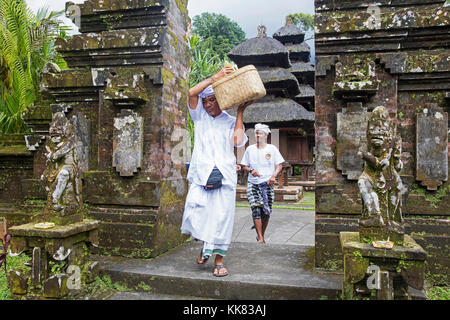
[(62, 174), (380, 185)]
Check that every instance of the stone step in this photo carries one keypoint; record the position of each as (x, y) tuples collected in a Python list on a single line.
[(126, 215), (134, 295), (124, 230), (256, 271)]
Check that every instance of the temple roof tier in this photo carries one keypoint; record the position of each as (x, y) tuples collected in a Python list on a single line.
[(279, 78), (261, 51), (276, 110), (299, 52), (304, 71), (289, 34)]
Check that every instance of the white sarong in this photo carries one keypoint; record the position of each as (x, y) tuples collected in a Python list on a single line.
[(209, 217)]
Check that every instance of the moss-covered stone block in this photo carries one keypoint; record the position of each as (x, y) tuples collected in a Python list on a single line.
[(355, 267), (18, 282), (56, 286), (398, 268)]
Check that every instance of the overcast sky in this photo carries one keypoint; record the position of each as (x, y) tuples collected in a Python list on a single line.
[(247, 13)]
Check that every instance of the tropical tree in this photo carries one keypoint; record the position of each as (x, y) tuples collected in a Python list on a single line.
[(217, 32), (205, 62), (304, 21), (27, 45)]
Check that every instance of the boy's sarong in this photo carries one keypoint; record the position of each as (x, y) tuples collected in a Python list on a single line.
[(261, 195)]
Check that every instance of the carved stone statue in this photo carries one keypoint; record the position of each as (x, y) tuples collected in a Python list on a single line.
[(380, 185), (62, 175)]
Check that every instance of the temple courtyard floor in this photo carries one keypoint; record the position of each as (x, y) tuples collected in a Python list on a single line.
[(282, 268)]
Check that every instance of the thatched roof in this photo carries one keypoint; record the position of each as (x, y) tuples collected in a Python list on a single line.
[(299, 51), (289, 34), (306, 91), (306, 97), (276, 110), (301, 67), (279, 78), (304, 71), (261, 51)]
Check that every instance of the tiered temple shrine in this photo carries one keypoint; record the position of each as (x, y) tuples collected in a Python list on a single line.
[(284, 65)]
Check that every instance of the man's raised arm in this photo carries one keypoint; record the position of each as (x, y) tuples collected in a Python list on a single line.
[(198, 88), (239, 134)]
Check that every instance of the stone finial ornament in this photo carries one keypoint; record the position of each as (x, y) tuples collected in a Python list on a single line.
[(62, 175), (380, 185), (262, 32), (289, 21)]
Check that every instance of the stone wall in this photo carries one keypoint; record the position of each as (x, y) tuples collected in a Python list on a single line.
[(394, 54), (125, 92), (16, 169)]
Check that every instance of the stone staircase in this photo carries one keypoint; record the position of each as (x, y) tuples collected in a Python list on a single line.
[(256, 272)]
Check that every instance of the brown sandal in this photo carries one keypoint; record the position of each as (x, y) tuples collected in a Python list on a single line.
[(218, 268)]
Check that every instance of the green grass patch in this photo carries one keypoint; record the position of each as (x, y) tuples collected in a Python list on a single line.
[(438, 293), (278, 207), (16, 263)]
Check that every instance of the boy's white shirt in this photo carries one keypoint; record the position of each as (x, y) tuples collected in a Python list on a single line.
[(264, 161)]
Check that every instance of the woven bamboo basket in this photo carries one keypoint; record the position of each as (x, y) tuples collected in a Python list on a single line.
[(238, 87)]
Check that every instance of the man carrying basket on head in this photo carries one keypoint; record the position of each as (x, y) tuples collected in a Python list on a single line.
[(210, 203)]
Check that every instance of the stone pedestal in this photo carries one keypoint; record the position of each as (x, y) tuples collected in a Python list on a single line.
[(283, 177), (381, 274), (59, 258), (369, 234)]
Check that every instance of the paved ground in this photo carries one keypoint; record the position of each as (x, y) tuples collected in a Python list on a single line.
[(289, 227), (256, 270)]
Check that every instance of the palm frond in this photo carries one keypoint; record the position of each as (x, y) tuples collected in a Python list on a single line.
[(27, 46)]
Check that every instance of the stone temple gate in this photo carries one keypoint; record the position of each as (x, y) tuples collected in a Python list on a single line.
[(393, 54), (125, 92)]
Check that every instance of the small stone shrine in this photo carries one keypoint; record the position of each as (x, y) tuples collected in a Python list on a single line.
[(58, 239), (402, 263), (101, 158), (390, 54)]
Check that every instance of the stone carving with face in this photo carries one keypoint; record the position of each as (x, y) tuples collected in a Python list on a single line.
[(380, 185), (62, 175)]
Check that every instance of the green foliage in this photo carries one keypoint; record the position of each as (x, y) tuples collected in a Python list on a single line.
[(106, 282), (438, 293), (217, 32), (27, 46), (205, 62), (56, 267), (298, 171), (16, 263), (304, 21)]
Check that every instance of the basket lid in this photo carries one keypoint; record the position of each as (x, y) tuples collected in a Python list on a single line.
[(234, 74)]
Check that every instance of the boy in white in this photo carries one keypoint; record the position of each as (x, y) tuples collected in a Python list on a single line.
[(264, 163)]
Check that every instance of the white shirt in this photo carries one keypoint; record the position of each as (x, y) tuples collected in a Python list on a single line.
[(213, 146), (264, 161)]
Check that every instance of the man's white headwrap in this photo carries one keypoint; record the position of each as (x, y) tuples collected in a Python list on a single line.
[(262, 127), (208, 91)]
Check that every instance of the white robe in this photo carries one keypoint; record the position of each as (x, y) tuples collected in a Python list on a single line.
[(209, 215)]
